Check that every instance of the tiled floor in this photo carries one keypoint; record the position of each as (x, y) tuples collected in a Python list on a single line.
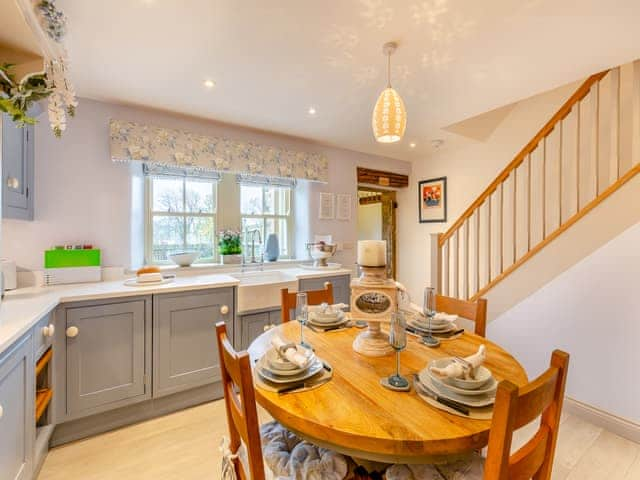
[(184, 446)]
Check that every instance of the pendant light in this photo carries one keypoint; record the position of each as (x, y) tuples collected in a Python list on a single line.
[(389, 115)]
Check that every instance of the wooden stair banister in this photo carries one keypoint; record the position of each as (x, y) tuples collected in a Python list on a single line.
[(568, 163), (564, 110)]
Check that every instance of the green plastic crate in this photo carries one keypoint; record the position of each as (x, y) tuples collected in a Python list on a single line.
[(71, 258)]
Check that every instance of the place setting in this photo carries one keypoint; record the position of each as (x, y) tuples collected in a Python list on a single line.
[(461, 386), (327, 318), (287, 367), (430, 325)]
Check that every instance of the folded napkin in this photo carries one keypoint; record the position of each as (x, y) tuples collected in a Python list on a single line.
[(449, 317), (327, 309), (458, 370), (291, 353)]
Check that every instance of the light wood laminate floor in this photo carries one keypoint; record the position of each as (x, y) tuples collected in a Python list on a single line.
[(184, 446)]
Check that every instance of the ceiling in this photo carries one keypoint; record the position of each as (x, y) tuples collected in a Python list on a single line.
[(272, 60)]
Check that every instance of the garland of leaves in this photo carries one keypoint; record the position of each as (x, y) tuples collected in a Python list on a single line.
[(17, 97)]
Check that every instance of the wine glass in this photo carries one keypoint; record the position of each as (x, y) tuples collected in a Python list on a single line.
[(398, 340), (429, 310), (302, 315)]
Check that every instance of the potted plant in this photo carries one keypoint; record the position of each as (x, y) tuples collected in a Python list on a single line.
[(229, 246)]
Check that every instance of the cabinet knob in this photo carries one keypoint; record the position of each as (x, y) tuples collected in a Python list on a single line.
[(49, 330), (72, 332), (13, 182), (224, 309), (269, 327), (1, 411)]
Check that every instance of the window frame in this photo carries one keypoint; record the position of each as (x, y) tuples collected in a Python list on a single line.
[(149, 214), (266, 216)]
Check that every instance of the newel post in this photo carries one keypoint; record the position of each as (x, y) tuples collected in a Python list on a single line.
[(436, 263)]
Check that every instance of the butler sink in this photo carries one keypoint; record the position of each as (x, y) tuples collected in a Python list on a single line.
[(262, 289)]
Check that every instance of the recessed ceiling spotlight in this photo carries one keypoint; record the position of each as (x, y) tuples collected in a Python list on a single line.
[(209, 83), (437, 143), (312, 111), (412, 145)]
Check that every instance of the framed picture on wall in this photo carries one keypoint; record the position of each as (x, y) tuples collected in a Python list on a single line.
[(343, 206), (432, 200), (327, 206)]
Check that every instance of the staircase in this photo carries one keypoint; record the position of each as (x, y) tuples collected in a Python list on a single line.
[(584, 154)]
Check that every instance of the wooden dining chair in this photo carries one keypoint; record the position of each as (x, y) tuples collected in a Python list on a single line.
[(516, 407), (240, 404), (474, 311), (513, 409), (314, 297)]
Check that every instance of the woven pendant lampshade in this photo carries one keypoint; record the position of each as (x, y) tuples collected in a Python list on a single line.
[(389, 119)]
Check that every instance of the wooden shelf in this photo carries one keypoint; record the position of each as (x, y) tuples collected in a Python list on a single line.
[(43, 398), (43, 361)]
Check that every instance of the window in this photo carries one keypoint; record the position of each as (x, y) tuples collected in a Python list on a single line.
[(182, 216), (267, 208)]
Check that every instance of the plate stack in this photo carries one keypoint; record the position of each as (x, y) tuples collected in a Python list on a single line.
[(275, 368), (440, 324), (327, 319), (475, 393)]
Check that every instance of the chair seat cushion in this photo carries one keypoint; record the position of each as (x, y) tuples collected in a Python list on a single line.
[(471, 468), (291, 458)]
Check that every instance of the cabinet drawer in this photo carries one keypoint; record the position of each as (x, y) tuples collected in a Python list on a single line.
[(43, 335)]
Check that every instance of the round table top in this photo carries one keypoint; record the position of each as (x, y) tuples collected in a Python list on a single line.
[(355, 415)]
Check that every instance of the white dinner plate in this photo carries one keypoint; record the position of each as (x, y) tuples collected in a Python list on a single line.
[(488, 388), (283, 367), (267, 374), (476, 401), (324, 319), (337, 323), (425, 328)]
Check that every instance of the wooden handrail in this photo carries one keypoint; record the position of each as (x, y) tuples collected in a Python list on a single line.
[(564, 110)]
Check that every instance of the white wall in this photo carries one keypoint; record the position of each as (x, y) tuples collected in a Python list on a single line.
[(83, 197), (591, 311), (370, 221)]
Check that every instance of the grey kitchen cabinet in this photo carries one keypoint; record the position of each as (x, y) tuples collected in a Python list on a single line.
[(341, 286), (17, 170), (250, 325), (185, 353), (17, 404), (108, 355)]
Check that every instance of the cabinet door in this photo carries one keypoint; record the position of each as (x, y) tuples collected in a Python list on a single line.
[(251, 326), (341, 287), (17, 417), (107, 364), (185, 353), (17, 170)]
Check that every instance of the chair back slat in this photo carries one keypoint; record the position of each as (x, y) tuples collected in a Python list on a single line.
[(515, 407), (474, 311), (314, 297), (240, 405), (535, 397), (526, 462)]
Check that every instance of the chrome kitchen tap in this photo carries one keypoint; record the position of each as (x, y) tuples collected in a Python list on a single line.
[(252, 234)]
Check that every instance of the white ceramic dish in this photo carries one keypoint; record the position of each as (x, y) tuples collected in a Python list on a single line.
[(325, 319), (133, 282), (337, 323), (281, 366), (184, 259), (488, 386), (476, 401), (269, 375), (425, 328)]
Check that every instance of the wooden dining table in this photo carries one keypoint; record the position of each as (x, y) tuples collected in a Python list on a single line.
[(355, 415)]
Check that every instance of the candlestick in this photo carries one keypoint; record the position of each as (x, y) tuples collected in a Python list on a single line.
[(372, 253)]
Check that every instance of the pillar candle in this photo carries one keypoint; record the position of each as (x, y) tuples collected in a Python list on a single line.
[(372, 253)]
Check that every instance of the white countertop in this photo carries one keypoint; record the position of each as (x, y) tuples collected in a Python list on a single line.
[(22, 308)]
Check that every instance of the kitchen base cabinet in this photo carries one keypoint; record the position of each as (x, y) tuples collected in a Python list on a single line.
[(185, 353), (250, 325), (17, 169), (107, 347), (17, 425), (341, 286)]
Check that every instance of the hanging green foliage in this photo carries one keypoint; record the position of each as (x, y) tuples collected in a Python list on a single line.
[(17, 97)]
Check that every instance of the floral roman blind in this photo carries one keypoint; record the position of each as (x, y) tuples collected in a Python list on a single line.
[(177, 148)]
